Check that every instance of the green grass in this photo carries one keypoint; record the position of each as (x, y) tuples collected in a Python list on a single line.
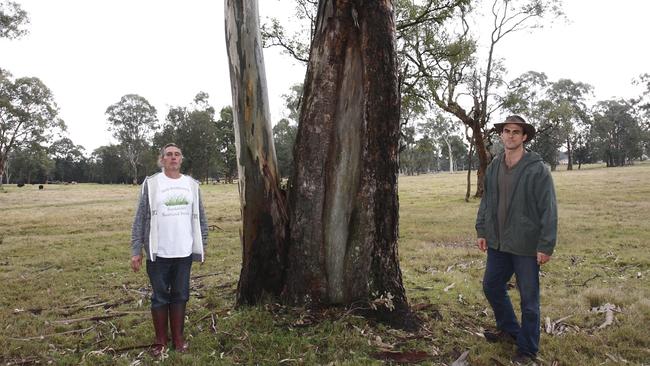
[(64, 256), (176, 201)]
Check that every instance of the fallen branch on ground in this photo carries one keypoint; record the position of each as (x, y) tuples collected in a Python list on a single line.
[(585, 282), (99, 317), (82, 331)]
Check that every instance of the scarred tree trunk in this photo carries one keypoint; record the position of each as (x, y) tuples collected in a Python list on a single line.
[(263, 208), (343, 199)]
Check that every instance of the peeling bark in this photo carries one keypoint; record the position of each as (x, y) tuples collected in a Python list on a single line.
[(344, 206), (263, 207)]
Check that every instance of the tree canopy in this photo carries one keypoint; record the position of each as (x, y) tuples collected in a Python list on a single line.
[(132, 121), (28, 115), (13, 20)]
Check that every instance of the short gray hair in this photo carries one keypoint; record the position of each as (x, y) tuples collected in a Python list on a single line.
[(171, 144)]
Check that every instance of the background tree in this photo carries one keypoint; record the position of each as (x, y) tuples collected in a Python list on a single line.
[(28, 115), (13, 20), (109, 165), (294, 42), (426, 157), (31, 164), (642, 106), (69, 161), (284, 137), (194, 129), (132, 121), (227, 156), (617, 133), (557, 109), (441, 129), (445, 66), (407, 149), (458, 151), (569, 112)]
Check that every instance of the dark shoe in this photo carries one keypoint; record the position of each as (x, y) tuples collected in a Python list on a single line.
[(160, 317), (499, 336), (521, 358), (177, 322)]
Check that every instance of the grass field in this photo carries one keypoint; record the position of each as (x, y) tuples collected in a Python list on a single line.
[(68, 296)]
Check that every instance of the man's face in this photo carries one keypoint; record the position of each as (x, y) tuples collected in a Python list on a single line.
[(512, 136), (172, 158)]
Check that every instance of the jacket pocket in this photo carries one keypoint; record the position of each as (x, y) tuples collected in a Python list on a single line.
[(525, 235)]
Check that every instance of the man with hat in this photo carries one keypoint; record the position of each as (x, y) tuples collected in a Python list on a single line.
[(516, 225)]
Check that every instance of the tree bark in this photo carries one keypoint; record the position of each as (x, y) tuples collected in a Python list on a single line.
[(483, 159), (469, 167), (263, 207), (2, 169), (569, 148), (343, 199), (451, 156)]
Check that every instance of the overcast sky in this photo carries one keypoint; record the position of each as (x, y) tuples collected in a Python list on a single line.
[(91, 53)]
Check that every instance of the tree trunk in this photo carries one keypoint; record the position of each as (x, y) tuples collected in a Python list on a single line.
[(344, 204), (263, 208), (469, 169), (483, 158), (451, 157), (569, 148), (3, 165)]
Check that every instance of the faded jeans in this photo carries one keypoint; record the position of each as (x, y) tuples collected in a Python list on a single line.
[(170, 280), (499, 269)]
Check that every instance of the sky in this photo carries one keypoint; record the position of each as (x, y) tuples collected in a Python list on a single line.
[(91, 53)]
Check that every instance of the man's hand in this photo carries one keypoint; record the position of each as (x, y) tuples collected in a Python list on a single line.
[(136, 262), (542, 258), (482, 244)]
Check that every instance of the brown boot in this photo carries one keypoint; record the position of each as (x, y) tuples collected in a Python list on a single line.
[(177, 322), (160, 316)]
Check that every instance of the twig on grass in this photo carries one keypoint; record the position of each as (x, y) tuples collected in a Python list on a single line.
[(585, 282), (98, 317), (206, 275), (82, 331), (130, 348), (214, 324), (24, 361)]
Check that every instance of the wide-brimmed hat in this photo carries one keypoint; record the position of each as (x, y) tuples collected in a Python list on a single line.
[(529, 129)]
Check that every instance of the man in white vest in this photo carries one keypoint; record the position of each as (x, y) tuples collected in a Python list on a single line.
[(171, 228)]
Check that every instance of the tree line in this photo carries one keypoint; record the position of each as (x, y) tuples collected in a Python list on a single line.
[(35, 149)]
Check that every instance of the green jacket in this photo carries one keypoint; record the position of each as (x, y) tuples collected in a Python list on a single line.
[(531, 222)]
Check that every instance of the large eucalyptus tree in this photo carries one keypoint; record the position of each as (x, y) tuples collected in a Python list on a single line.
[(335, 242)]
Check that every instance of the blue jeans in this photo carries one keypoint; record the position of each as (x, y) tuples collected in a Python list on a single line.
[(170, 280), (499, 269)]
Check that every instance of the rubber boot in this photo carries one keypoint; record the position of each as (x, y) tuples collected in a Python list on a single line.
[(160, 317), (177, 322)]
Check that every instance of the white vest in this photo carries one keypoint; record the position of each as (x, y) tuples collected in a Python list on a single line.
[(197, 242)]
